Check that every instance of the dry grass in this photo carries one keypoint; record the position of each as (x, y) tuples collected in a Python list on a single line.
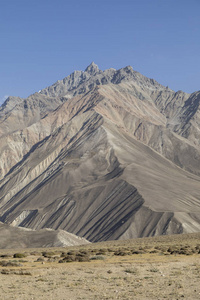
[(150, 268)]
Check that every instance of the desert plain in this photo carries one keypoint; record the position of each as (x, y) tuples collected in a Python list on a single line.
[(165, 267)]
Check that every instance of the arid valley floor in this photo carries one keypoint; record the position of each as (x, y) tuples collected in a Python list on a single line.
[(166, 267)]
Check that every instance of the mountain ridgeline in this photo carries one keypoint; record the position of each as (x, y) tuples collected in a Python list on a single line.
[(103, 155)]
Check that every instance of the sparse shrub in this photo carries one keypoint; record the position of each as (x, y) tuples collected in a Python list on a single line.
[(85, 252), (110, 250), (21, 272), (72, 252), (5, 272), (42, 279), (35, 253), (170, 283), (9, 264), (157, 247), (197, 248), (193, 250), (154, 251), (69, 258), (183, 251), (120, 253), (173, 250), (40, 259), (53, 259), (136, 251), (5, 255), (97, 257), (76, 256), (161, 248), (19, 255), (83, 258), (93, 251), (48, 254), (142, 249), (154, 270), (147, 247), (131, 271), (79, 254), (22, 261), (189, 253), (101, 252)]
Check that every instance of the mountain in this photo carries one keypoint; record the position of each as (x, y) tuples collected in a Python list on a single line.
[(102, 154), (12, 237)]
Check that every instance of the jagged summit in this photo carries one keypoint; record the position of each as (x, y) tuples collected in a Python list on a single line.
[(80, 82), (92, 69)]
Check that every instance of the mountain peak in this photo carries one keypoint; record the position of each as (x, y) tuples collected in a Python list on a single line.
[(92, 69)]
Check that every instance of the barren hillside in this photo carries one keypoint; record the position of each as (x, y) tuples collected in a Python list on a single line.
[(102, 154)]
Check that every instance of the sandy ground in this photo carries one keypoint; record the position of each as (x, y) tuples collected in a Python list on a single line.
[(143, 276)]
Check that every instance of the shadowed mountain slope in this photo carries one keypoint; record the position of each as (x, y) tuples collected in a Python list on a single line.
[(102, 154)]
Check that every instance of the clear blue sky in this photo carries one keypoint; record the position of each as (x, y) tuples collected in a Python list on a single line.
[(45, 40)]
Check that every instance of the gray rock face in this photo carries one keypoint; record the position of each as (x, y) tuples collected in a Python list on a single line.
[(102, 154), (92, 69)]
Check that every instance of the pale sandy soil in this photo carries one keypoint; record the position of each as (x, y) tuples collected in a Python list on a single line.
[(143, 276), (113, 271)]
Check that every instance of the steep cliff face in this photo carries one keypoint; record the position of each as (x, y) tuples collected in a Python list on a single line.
[(102, 154)]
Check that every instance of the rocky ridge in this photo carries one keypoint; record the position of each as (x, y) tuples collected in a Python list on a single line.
[(12, 237), (102, 154)]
